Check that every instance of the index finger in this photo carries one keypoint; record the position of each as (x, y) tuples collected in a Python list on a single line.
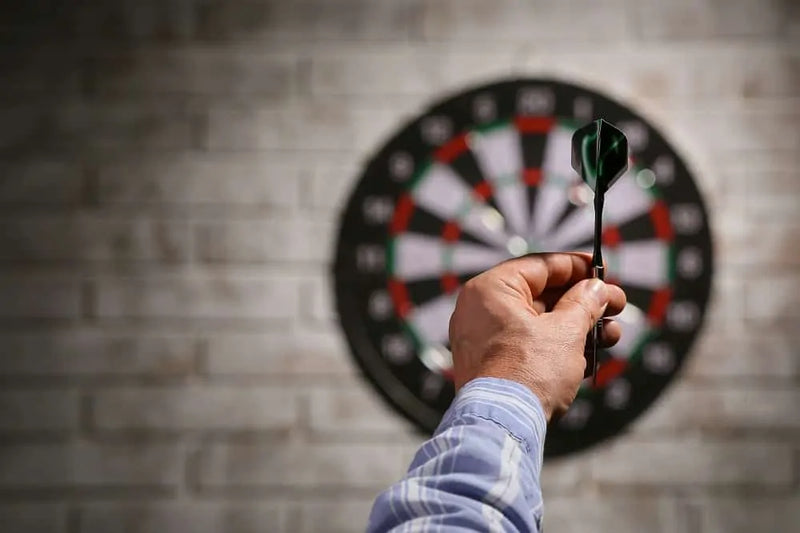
[(531, 274)]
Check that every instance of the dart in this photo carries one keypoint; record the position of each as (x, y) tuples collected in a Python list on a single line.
[(600, 156)]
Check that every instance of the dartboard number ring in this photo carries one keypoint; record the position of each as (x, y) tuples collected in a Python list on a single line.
[(484, 176)]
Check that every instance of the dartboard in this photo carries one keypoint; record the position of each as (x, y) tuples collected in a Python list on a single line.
[(484, 176)]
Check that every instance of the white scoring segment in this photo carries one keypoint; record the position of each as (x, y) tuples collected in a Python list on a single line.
[(485, 223), (626, 200), (643, 264), (577, 228), (431, 320), (417, 257), (557, 174), (468, 258), (635, 327), (442, 192), (499, 155)]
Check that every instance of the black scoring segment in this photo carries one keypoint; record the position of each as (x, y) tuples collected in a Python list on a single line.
[(533, 149)]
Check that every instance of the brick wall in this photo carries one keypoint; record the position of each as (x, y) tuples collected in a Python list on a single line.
[(170, 175)]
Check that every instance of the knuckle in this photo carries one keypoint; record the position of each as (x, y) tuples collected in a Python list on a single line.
[(583, 309), (472, 285), (587, 310)]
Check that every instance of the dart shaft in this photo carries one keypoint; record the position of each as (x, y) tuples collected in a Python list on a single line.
[(598, 271), (597, 253)]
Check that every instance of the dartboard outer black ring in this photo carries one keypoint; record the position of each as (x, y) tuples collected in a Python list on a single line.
[(389, 229)]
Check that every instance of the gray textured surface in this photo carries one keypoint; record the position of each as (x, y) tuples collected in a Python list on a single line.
[(170, 174)]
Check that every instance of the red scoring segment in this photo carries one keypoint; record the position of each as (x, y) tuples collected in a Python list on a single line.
[(483, 189), (450, 234), (658, 305), (532, 176), (452, 149), (450, 283), (399, 294), (609, 370), (534, 124), (611, 236), (402, 214), (659, 215), (451, 231)]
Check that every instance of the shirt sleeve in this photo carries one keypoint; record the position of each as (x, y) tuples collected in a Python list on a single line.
[(479, 471)]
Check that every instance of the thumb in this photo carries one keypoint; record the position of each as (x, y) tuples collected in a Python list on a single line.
[(583, 304)]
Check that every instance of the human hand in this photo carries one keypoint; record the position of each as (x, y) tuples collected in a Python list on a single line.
[(526, 320)]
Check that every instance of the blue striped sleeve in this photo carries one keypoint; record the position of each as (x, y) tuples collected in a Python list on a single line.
[(479, 471)]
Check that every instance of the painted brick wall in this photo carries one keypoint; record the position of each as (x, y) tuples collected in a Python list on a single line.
[(170, 174)]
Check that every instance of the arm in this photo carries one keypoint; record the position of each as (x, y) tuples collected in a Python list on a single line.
[(517, 336), (479, 472)]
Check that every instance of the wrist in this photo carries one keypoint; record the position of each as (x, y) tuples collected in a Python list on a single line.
[(506, 370), (507, 403)]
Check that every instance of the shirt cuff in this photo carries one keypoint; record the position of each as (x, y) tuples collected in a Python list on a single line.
[(508, 404)]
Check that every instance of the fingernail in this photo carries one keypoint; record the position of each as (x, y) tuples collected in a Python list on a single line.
[(598, 291)]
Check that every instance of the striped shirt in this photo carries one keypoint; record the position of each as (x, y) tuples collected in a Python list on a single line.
[(479, 471)]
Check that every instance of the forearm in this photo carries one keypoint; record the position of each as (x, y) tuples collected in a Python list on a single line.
[(480, 470)]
